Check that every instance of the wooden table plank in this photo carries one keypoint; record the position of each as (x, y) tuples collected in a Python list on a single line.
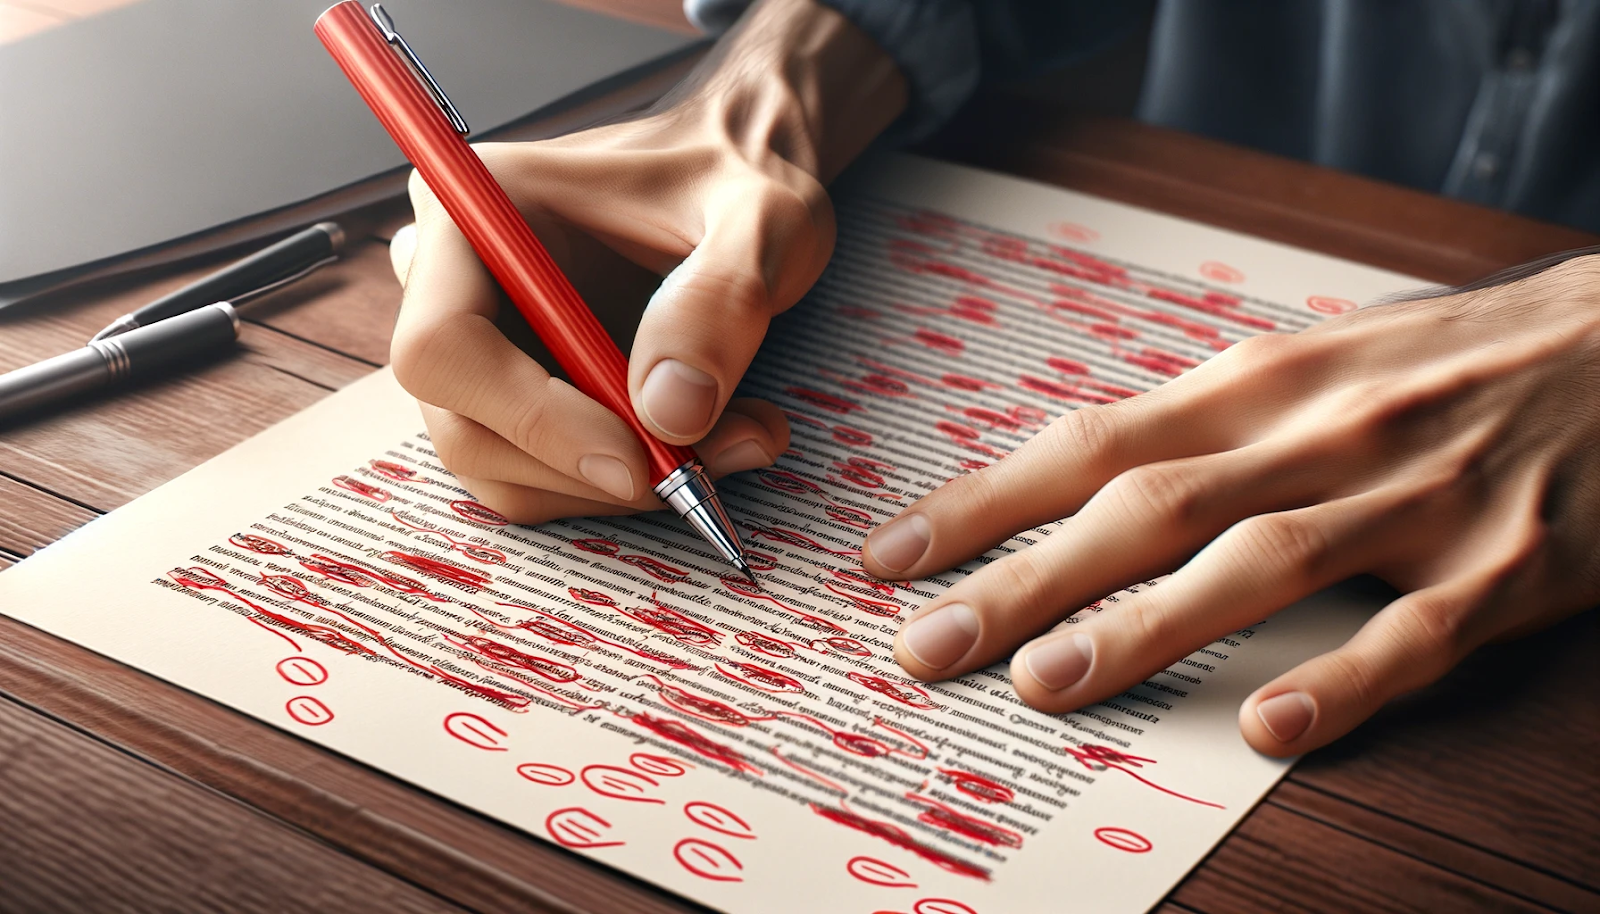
[(33, 519), (88, 828)]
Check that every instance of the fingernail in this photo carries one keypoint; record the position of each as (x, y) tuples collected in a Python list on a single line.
[(898, 544), (1060, 662), (608, 474), (1288, 715), (943, 636), (679, 398), (746, 455)]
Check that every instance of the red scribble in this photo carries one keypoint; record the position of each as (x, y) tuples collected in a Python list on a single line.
[(309, 711), (760, 561), (259, 544), (1220, 272), (302, 671), (548, 775), (904, 693), (348, 572), (853, 743), (335, 571), (848, 646), (897, 837), (674, 624), (1067, 366), (1124, 840), (560, 631), (851, 437), (765, 644), (707, 860), (391, 470), (941, 343), (1028, 416), (658, 765), (941, 906), (578, 828), (965, 436), (656, 568), (975, 310), (1323, 304), (553, 670), (718, 819), (620, 783), (743, 587), (481, 514), (475, 731), (443, 571), (292, 588), (760, 677), (1108, 758), (364, 489), (792, 538), (859, 472), (866, 604), (967, 463), (1060, 391), (1212, 307), (201, 579), (698, 706), (939, 815), (1074, 232), (598, 546), (962, 382), (829, 402), (873, 871), (475, 551), (979, 787), (684, 735), (592, 597)]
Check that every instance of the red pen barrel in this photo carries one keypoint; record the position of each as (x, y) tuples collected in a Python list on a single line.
[(490, 221)]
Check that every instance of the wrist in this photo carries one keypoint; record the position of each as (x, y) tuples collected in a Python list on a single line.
[(798, 80)]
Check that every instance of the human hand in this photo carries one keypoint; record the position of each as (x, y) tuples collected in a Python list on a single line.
[(723, 187), (1449, 446)]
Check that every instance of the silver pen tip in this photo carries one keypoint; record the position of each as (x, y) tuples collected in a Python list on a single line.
[(116, 328), (745, 568)]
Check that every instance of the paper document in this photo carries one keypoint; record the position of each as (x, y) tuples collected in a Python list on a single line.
[(608, 685)]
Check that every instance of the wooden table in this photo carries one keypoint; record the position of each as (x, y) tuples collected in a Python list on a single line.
[(121, 792)]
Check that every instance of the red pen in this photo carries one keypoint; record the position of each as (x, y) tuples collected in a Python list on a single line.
[(432, 134)]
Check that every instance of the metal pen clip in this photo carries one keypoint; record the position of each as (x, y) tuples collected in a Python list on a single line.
[(385, 24)]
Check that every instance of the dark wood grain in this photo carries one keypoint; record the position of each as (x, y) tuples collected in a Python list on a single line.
[(90, 829), (33, 518)]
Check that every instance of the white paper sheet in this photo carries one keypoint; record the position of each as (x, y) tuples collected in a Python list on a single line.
[(608, 685)]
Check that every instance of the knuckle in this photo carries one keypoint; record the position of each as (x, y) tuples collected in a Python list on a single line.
[(1432, 637), (1088, 431), (531, 429), (1357, 677), (1278, 543), (1164, 491), (1024, 577)]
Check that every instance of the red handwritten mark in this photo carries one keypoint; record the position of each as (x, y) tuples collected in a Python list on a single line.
[(687, 736), (1108, 758), (978, 787), (760, 677), (578, 828), (292, 588), (1220, 272), (364, 489), (940, 906), (592, 597), (965, 436), (598, 546), (308, 711), (553, 670), (391, 470), (865, 604), (1072, 231), (658, 765), (475, 551), (675, 624), (619, 783), (897, 837), (904, 693), (738, 585), (559, 631), (707, 860), (848, 646), (718, 820), (873, 871), (940, 815), (475, 731), (443, 571), (1124, 840), (1212, 306), (259, 544), (941, 343), (302, 671), (851, 437), (548, 775), (661, 571), (829, 402), (706, 709), (793, 538), (1323, 304), (201, 579), (478, 514)]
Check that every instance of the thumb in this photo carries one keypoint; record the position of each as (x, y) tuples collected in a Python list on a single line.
[(761, 251)]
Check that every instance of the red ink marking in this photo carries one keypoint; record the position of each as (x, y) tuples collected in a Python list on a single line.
[(978, 787), (760, 677), (897, 837), (975, 310), (829, 402), (598, 546), (475, 731), (548, 775), (707, 860), (1124, 840), (507, 655), (391, 470), (759, 561), (578, 828), (335, 571), (1072, 231), (848, 646), (308, 711), (675, 624), (942, 816), (967, 463), (698, 706), (792, 538), (200, 579), (743, 587), (859, 473), (853, 517), (939, 342), (873, 871), (661, 571), (851, 437), (366, 490), (866, 604), (302, 671), (1211, 307), (592, 597), (292, 588), (1220, 272), (718, 819), (620, 783), (687, 736), (1067, 366), (903, 693), (658, 765), (560, 631), (1323, 304), (965, 436), (259, 544), (1108, 758), (477, 513), (443, 571), (1059, 391), (763, 644), (941, 906), (962, 382)]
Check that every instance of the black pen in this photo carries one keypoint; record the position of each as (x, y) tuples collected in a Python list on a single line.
[(261, 272)]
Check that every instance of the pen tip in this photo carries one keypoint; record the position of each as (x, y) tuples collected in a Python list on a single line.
[(745, 569)]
